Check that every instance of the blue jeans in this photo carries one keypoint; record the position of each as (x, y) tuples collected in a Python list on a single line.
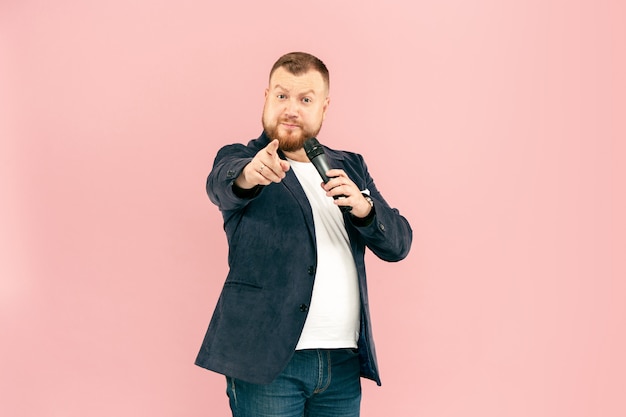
[(315, 383)]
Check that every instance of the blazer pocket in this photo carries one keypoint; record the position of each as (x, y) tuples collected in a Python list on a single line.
[(241, 285)]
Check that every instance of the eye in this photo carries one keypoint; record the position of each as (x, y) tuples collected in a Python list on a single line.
[(307, 100), (281, 96)]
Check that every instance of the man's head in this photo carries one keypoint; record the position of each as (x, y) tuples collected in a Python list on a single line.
[(296, 99)]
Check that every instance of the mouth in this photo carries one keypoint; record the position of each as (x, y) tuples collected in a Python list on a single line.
[(290, 126)]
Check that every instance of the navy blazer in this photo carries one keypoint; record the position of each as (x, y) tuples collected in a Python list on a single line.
[(272, 259)]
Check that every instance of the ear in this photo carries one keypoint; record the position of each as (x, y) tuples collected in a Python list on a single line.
[(267, 91), (325, 107)]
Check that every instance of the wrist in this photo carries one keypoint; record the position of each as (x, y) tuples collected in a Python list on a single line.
[(246, 192), (242, 179), (367, 214)]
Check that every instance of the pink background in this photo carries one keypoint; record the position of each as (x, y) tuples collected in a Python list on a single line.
[(497, 128)]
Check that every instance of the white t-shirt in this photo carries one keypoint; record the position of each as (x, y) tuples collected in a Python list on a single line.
[(334, 314)]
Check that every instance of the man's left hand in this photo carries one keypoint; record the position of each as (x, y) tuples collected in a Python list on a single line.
[(341, 185)]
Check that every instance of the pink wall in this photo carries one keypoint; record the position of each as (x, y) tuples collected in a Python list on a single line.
[(497, 127)]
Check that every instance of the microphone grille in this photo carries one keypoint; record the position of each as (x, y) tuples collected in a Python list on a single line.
[(313, 148)]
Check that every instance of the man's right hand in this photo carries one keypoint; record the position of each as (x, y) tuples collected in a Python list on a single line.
[(266, 167)]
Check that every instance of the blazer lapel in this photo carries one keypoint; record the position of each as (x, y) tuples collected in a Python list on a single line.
[(292, 184)]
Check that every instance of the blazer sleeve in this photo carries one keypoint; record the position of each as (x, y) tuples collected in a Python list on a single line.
[(388, 235), (228, 165)]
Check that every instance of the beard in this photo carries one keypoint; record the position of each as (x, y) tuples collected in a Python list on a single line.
[(289, 140)]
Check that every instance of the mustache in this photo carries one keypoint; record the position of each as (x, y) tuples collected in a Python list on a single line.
[(290, 122)]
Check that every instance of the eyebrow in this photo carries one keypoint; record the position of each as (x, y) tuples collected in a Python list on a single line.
[(307, 92)]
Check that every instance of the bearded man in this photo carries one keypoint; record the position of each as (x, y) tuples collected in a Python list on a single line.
[(291, 330)]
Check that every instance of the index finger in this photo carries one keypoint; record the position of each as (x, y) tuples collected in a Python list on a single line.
[(335, 172), (272, 147)]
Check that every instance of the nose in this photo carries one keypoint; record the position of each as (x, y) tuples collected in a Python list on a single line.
[(291, 108)]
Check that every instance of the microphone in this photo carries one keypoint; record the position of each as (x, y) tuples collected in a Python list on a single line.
[(315, 153)]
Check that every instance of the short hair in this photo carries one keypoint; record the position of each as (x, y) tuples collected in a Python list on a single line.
[(298, 63)]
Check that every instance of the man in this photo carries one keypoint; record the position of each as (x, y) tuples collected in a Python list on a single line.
[(291, 330)]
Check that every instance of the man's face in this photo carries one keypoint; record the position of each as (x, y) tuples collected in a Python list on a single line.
[(295, 106)]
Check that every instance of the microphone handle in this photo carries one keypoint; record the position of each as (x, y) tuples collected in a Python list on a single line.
[(321, 164)]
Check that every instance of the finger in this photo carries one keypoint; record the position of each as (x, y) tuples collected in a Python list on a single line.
[(270, 151), (268, 172), (272, 169), (271, 159), (338, 181), (334, 172), (342, 190), (272, 148)]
